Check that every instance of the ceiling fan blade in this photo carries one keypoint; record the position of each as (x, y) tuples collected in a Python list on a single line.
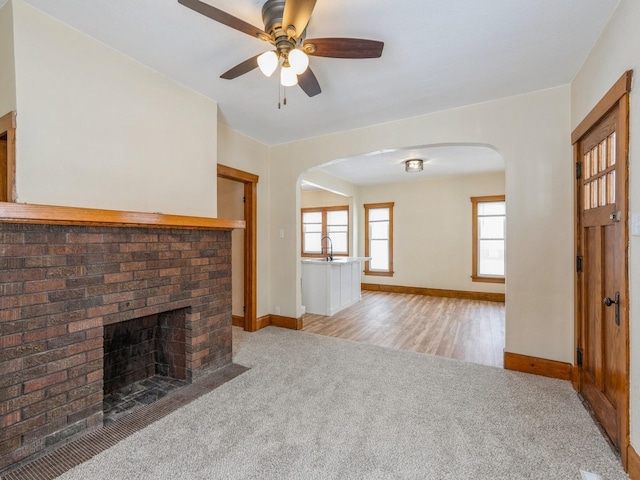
[(297, 14), (241, 68), (223, 17), (344, 47), (309, 83)]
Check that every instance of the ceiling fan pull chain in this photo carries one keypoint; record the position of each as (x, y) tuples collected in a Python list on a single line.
[(285, 94), (278, 96)]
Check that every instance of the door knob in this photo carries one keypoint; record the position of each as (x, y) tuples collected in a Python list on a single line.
[(616, 301)]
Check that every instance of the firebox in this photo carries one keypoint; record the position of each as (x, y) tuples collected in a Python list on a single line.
[(144, 347)]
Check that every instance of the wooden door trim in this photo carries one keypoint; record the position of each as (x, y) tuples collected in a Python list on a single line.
[(617, 96), (250, 182), (8, 127)]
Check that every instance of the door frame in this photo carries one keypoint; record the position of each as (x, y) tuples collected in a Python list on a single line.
[(8, 127), (250, 182), (618, 95)]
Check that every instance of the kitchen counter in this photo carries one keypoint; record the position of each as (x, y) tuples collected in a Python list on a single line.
[(331, 286)]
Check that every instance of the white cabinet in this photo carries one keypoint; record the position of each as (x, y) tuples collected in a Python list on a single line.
[(328, 287)]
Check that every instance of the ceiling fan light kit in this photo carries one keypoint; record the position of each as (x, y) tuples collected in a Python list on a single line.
[(285, 27)]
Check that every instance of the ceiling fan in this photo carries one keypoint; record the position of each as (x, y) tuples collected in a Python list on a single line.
[(285, 24)]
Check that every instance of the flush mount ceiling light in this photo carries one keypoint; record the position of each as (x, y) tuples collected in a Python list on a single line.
[(413, 165)]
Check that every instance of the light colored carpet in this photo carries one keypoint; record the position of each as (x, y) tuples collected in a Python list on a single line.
[(314, 407)]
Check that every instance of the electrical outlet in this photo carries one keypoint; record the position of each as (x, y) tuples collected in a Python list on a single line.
[(635, 224), (282, 233), (277, 310)]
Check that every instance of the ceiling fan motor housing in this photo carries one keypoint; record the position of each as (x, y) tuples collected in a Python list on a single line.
[(272, 13)]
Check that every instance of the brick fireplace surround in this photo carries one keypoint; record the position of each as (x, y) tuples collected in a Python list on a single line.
[(65, 273)]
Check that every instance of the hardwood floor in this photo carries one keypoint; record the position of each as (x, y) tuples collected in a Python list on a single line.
[(469, 330)]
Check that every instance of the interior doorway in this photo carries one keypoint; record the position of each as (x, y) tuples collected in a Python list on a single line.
[(240, 188), (602, 277), (8, 157)]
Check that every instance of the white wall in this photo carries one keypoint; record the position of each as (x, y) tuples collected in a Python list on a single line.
[(618, 50), (432, 230), (531, 132), (243, 153), (7, 64), (97, 129)]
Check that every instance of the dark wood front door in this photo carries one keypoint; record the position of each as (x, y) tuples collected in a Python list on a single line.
[(602, 278)]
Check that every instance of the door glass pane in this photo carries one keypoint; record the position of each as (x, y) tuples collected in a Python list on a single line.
[(587, 196), (611, 188), (612, 149), (587, 165), (602, 186), (594, 161), (594, 193)]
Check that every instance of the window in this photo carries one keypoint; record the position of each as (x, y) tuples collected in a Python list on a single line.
[(317, 223), (378, 238), (489, 227)]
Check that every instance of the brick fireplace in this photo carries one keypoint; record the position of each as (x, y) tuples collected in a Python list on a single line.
[(62, 286)]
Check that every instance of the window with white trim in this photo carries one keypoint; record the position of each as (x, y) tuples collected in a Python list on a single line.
[(489, 238)]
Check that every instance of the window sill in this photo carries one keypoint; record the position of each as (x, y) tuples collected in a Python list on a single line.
[(487, 279), (378, 274)]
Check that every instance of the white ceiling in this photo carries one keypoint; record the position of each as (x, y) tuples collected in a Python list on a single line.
[(438, 54), (378, 168)]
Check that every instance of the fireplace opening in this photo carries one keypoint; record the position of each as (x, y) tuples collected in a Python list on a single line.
[(144, 359)]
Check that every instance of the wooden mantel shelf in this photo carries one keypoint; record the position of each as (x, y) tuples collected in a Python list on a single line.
[(52, 215)]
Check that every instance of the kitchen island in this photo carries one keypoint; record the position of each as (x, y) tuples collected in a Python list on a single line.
[(329, 286)]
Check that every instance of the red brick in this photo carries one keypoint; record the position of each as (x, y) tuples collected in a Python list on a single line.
[(21, 402), (21, 250), (45, 285), (85, 325), (43, 382), (169, 272), (21, 351), (45, 333), (132, 247), (84, 237), (66, 249), (10, 340), (44, 406), (95, 333), (22, 300), (133, 266), (118, 277), (103, 310), (144, 237), (95, 376), (10, 392), (66, 363), (117, 297), (66, 271), (9, 446), (66, 386)]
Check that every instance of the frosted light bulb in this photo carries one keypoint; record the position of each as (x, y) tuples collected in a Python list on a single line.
[(288, 77), (268, 62), (298, 60)]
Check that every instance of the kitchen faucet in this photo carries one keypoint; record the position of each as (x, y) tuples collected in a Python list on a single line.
[(330, 251)]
